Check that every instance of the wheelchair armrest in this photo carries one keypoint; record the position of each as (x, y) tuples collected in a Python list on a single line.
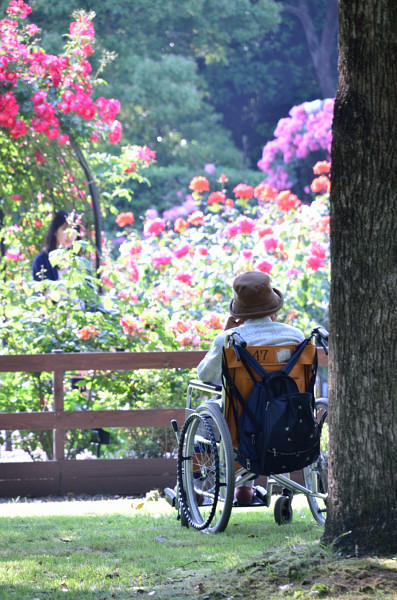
[(203, 386)]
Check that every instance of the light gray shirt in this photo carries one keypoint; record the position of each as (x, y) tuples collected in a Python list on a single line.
[(256, 332)]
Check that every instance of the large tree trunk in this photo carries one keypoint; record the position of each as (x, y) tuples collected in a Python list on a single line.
[(362, 511)]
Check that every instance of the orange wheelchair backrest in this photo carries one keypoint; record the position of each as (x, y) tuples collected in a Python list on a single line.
[(272, 358)]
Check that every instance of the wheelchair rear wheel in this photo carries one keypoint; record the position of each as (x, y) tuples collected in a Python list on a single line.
[(206, 469), (315, 476)]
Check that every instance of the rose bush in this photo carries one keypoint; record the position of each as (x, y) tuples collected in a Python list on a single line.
[(48, 115), (299, 141), (182, 271)]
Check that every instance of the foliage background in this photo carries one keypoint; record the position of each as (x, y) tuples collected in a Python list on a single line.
[(199, 82)]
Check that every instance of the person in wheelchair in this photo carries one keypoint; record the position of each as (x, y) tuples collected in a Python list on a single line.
[(253, 313)]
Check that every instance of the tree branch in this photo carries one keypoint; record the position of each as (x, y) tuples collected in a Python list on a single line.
[(293, 10), (330, 25), (319, 44)]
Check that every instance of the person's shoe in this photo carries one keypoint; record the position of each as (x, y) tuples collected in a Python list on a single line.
[(261, 493), (243, 495), (259, 497)]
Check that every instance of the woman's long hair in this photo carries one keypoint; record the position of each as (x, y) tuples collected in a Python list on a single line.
[(58, 219)]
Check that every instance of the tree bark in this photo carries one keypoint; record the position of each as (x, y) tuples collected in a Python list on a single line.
[(362, 509), (320, 44)]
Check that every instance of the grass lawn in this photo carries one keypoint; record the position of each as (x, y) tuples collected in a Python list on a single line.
[(124, 548)]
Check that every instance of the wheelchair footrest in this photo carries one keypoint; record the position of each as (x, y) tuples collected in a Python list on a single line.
[(170, 496)]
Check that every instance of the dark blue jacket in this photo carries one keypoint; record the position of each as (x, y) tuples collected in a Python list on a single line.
[(41, 261)]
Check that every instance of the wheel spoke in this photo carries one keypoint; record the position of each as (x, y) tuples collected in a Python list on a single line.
[(206, 470)]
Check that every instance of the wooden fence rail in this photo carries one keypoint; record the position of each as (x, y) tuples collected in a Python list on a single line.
[(115, 476)]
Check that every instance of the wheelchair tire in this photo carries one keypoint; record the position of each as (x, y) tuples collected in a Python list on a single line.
[(183, 519), (283, 512), (315, 476), (226, 464), (206, 470)]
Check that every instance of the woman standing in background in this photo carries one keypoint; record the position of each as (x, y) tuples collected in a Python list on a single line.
[(60, 234)]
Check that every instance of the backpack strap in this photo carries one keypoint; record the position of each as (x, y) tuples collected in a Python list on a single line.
[(295, 357), (293, 360), (228, 388), (249, 361), (235, 392), (312, 382)]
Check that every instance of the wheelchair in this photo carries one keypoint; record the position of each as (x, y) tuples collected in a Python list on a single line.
[(207, 471)]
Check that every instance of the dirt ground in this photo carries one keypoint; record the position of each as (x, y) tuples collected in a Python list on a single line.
[(349, 578), (361, 579), (280, 578)]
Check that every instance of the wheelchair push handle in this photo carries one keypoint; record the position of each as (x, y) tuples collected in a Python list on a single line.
[(237, 339), (236, 342), (321, 336)]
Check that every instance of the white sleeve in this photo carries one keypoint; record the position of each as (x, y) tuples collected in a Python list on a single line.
[(210, 368)]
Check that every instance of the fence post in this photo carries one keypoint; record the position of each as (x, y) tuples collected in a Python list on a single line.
[(59, 434)]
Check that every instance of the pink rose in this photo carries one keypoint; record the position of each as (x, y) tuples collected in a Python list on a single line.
[(154, 227)]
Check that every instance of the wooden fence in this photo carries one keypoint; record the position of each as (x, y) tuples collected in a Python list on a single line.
[(107, 476)]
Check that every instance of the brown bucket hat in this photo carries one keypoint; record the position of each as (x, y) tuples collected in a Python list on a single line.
[(254, 296)]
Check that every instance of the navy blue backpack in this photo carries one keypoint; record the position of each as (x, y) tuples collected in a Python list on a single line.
[(278, 432)]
